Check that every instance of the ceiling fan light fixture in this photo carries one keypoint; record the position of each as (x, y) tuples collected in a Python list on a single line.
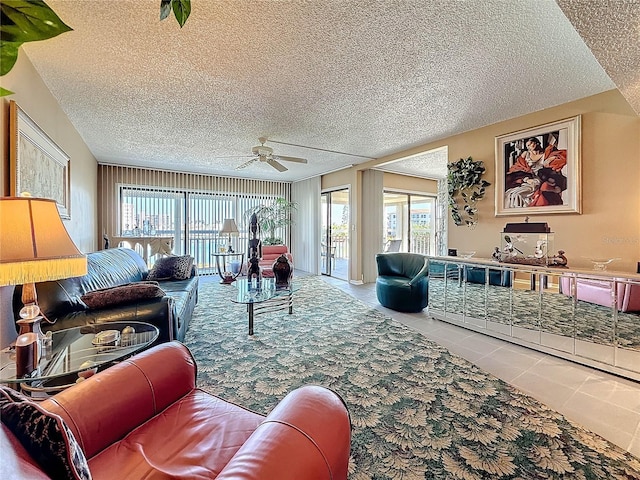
[(264, 154), (262, 151)]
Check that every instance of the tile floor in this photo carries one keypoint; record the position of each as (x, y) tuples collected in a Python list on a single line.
[(605, 404)]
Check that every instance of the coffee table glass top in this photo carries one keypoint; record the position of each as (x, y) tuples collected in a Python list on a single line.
[(247, 293), (83, 348)]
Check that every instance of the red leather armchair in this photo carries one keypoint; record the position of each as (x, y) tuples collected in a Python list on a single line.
[(144, 418)]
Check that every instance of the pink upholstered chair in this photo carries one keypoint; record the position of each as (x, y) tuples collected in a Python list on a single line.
[(269, 255), (599, 291)]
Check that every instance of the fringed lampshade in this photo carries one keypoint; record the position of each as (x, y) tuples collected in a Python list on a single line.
[(35, 246)]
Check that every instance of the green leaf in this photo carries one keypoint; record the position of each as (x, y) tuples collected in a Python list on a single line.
[(165, 9), (4, 92), (29, 21), (8, 56), (182, 10)]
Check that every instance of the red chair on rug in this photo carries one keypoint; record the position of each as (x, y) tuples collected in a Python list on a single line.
[(270, 253), (145, 418)]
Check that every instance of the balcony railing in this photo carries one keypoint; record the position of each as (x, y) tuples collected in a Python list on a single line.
[(203, 244)]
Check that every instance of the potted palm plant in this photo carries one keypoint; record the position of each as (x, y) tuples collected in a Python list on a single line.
[(273, 217)]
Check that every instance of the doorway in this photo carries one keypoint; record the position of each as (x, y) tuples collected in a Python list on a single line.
[(409, 222), (334, 239)]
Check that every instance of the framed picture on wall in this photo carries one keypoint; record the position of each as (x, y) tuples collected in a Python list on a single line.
[(37, 165), (538, 170)]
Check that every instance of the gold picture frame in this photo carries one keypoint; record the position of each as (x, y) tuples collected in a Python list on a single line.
[(538, 170), (37, 165)]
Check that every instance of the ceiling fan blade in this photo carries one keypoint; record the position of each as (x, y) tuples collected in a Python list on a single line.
[(276, 165), (246, 164), (291, 159)]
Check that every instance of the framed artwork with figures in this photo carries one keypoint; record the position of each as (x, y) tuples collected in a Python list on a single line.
[(37, 165), (538, 170)]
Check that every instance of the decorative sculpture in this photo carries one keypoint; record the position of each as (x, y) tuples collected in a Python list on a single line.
[(559, 260), (282, 271), (255, 252)]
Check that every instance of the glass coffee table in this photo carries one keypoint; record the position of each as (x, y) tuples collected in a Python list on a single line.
[(78, 352), (264, 297)]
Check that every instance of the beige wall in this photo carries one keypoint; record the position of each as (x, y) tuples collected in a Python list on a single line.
[(34, 98), (609, 225)]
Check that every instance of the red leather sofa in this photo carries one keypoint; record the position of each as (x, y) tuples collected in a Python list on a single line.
[(270, 253), (145, 419)]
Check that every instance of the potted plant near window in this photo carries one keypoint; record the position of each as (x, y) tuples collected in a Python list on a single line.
[(465, 184), (272, 218)]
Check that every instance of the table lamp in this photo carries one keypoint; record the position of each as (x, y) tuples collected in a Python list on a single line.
[(35, 247), (229, 227)]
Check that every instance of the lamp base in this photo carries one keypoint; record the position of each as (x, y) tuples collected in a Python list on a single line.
[(27, 354), (29, 325)]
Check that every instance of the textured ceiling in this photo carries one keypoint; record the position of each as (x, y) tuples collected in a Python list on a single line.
[(367, 78), (611, 29)]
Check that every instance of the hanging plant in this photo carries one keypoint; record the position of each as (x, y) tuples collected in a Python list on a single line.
[(466, 187)]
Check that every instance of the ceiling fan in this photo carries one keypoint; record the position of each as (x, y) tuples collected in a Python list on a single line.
[(262, 153)]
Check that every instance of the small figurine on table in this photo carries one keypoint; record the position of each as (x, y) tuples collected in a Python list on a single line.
[(559, 260), (509, 248), (539, 250), (496, 254)]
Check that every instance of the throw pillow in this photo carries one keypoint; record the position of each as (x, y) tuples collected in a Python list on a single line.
[(9, 395), (122, 294), (171, 267), (44, 435)]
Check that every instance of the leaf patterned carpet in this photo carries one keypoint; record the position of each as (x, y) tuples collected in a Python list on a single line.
[(418, 412)]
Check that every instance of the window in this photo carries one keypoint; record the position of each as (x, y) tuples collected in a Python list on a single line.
[(409, 222), (192, 219)]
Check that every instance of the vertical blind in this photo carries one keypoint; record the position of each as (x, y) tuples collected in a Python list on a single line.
[(372, 222), (190, 208), (306, 235)]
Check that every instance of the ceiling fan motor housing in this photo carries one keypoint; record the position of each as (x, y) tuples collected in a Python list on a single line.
[(262, 151)]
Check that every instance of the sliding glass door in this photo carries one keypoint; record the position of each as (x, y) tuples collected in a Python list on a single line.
[(192, 220), (410, 222), (334, 241)]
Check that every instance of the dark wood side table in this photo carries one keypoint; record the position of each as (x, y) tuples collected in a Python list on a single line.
[(222, 269)]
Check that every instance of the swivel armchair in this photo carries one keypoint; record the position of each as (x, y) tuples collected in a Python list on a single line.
[(402, 282)]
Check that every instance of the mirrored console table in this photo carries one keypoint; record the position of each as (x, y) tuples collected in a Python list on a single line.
[(586, 316)]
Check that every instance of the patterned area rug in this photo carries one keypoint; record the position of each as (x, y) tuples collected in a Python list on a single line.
[(418, 412)]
